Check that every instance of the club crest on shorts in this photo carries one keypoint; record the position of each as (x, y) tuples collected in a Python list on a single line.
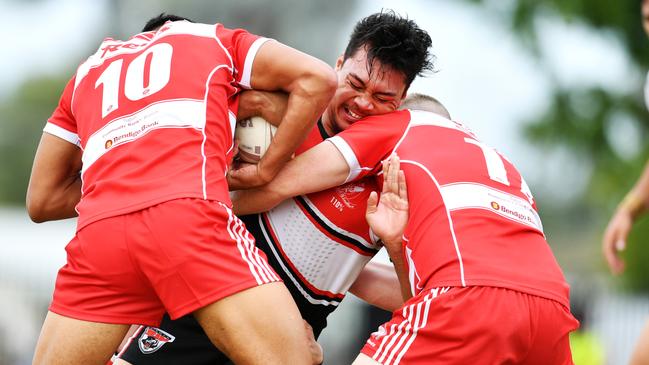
[(152, 339)]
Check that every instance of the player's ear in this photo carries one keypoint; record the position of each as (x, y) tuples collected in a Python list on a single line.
[(339, 62)]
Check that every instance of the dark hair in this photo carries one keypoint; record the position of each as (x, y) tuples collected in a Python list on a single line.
[(394, 41), (158, 21)]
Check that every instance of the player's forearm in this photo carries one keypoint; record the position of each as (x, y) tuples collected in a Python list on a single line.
[(308, 98), (254, 201), (396, 255), (636, 202), (379, 286)]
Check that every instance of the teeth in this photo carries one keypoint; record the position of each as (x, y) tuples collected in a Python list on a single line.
[(354, 115)]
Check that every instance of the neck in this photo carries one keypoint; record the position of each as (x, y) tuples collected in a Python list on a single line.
[(328, 124)]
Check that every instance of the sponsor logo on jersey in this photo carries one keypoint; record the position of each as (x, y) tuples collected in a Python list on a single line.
[(520, 215), (349, 193), (133, 134), (108, 143), (152, 339)]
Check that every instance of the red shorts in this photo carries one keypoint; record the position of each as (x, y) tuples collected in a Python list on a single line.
[(474, 325), (176, 256)]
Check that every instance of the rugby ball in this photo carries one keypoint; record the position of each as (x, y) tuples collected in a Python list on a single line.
[(253, 135)]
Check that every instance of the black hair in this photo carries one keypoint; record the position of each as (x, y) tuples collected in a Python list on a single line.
[(394, 41), (158, 21)]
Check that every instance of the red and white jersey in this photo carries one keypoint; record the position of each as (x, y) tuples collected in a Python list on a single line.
[(151, 115), (473, 221), (322, 240)]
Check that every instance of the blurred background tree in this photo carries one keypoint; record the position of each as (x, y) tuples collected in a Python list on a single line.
[(586, 121)]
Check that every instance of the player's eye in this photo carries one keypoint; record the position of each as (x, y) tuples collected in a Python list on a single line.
[(354, 85), (388, 102)]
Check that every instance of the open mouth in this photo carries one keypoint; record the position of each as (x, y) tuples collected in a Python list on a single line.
[(351, 114)]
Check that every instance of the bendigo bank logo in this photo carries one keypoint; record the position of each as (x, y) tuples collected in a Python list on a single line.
[(512, 212), (108, 143)]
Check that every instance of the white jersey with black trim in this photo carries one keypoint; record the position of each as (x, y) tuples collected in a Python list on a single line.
[(318, 243)]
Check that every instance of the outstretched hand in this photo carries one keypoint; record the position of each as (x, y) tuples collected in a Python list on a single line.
[(388, 216)]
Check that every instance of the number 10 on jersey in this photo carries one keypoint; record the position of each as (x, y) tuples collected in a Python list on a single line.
[(147, 74)]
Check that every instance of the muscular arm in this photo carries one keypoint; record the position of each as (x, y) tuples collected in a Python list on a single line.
[(310, 84), (320, 168), (268, 105), (633, 206), (378, 285), (55, 183)]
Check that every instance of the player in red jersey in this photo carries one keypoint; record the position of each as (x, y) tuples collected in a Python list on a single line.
[(319, 243), (485, 286), (141, 140)]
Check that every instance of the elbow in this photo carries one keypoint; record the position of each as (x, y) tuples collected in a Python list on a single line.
[(36, 208), (36, 212)]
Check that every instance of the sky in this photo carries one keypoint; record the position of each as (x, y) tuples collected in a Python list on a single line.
[(43, 35)]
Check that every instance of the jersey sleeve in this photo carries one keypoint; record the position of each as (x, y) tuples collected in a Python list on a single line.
[(243, 47), (369, 141), (62, 123)]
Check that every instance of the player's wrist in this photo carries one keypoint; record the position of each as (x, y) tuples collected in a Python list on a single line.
[(267, 170), (633, 204), (393, 244)]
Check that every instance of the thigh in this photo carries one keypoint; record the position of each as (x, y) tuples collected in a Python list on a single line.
[(100, 282), (71, 341), (197, 252), (180, 341), (260, 325)]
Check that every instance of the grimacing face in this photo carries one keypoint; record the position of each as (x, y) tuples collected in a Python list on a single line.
[(361, 94)]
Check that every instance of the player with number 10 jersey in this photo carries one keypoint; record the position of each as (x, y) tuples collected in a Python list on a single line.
[(156, 232), (131, 89)]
